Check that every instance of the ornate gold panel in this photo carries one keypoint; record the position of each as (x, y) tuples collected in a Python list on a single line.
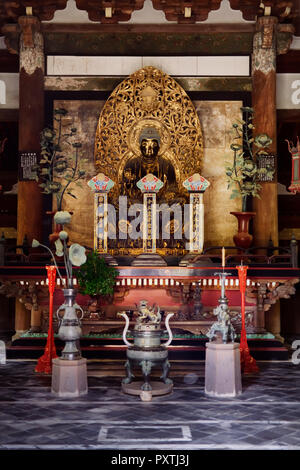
[(148, 99)]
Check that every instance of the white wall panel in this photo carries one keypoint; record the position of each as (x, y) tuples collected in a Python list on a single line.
[(123, 66), (9, 90), (98, 66), (173, 65), (223, 66)]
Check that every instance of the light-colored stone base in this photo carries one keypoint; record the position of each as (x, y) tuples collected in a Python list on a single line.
[(149, 259), (69, 378), (223, 370), (279, 338), (158, 388), (187, 260), (2, 353), (18, 334)]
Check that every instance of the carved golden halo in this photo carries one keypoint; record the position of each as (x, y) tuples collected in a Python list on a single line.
[(148, 98)]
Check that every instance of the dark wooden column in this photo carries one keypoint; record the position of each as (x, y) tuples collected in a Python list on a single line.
[(270, 39), (264, 103), (31, 122)]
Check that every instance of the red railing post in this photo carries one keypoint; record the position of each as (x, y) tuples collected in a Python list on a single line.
[(44, 364), (248, 363)]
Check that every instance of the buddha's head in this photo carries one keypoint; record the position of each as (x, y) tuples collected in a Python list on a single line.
[(149, 144), (149, 148)]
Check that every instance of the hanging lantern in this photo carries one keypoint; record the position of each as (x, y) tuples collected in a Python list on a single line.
[(295, 152)]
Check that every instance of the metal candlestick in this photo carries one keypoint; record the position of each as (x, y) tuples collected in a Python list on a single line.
[(223, 299)]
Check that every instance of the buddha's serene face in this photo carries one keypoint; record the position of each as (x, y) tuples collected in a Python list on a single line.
[(149, 148)]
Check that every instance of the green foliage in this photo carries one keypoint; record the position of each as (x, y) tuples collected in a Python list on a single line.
[(54, 166), (95, 277), (243, 173)]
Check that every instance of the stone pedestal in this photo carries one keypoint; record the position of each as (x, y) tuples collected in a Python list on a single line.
[(149, 259), (109, 259), (223, 370), (2, 353), (69, 378), (192, 259)]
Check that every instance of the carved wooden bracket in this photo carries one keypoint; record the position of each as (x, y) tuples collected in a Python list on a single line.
[(253, 8), (43, 9), (281, 291), (28, 26), (269, 27), (267, 24), (120, 293), (284, 38), (182, 294), (109, 11), (29, 294), (186, 11), (11, 37)]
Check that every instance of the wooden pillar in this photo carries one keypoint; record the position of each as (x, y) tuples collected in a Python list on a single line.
[(265, 223), (259, 320), (35, 319), (22, 319), (31, 123), (273, 321)]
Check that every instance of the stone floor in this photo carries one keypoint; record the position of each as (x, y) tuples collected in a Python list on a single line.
[(265, 416)]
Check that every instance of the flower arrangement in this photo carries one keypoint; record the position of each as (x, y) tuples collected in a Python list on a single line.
[(243, 174), (55, 171), (73, 256)]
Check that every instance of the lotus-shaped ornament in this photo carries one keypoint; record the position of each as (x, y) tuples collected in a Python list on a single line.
[(77, 254), (62, 217)]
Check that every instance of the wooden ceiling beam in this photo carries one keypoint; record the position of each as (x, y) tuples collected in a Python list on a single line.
[(282, 9), (10, 10), (186, 11), (110, 11), (181, 11)]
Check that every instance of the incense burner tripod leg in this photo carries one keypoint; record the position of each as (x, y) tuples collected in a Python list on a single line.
[(130, 376), (146, 369), (166, 368)]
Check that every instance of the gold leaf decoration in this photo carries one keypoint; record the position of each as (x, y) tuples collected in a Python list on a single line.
[(149, 98)]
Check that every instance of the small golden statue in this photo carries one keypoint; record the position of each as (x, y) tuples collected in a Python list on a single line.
[(147, 316)]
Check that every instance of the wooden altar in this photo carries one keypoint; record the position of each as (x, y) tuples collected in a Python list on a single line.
[(190, 292)]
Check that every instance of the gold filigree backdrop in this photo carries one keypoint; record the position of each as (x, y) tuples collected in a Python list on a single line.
[(216, 119), (147, 99)]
